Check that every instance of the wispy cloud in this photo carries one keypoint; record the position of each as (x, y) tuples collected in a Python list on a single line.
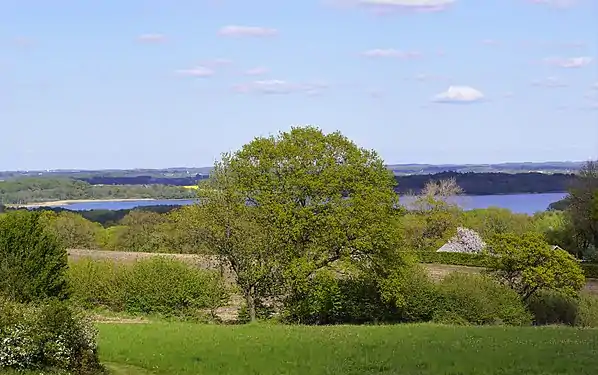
[(252, 31), (258, 70), (549, 82), (198, 71), (391, 52), (556, 3), (459, 95), (571, 62), (389, 6), (280, 87), (152, 38)]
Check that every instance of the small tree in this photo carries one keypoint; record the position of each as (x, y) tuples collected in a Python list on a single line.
[(33, 263), (528, 264)]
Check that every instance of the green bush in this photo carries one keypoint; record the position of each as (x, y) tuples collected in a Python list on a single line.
[(479, 300), (552, 307), (33, 263), (50, 336), (587, 313), (590, 270), (158, 285), (330, 299), (457, 259)]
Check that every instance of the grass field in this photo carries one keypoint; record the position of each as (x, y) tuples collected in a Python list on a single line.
[(185, 348)]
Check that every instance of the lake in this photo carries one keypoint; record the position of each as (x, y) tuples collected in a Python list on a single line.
[(520, 203)]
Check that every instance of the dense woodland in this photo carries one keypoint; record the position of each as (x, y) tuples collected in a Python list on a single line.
[(32, 190)]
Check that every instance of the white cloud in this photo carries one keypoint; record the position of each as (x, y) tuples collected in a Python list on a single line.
[(571, 62), (275, 86), (549, 82), (391, 52), (407, 5), (259, 70), (198, 71), (254, 31), (459, 94), (152, 38)]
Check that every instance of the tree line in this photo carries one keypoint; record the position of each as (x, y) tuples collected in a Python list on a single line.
[(36, 190)]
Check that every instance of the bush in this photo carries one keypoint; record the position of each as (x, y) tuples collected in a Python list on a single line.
[(479, 300), (158, 285), (32, 262), (553, 307), (49, 336), (330, 299), (590, 270), (587, 313), (550, 307), (458, 259)]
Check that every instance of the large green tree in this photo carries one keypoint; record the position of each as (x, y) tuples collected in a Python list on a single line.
[(300, 201), (581, 209), (528, 264), (33, 262)]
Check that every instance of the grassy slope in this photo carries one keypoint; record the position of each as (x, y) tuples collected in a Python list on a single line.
[(182, 348)]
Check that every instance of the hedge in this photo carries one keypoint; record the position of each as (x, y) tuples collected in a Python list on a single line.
[(476, 260)]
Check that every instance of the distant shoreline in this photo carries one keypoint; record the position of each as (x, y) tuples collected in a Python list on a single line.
[(74, 201)]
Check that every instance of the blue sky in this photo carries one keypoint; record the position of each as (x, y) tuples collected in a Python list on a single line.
[(159, 83)]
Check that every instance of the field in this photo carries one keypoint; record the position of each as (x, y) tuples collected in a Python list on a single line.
[(185, 348)]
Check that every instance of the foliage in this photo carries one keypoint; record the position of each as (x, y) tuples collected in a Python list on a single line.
[(458, 259), (141, 231), (73, 230), (553, 307), (587, 313), (33, 263), (493, 220), (423, 349), (527, 264), (479, 300), (333, 299), (582, 210), (158, 285), (49, 336), (306, 199), (550, 307)]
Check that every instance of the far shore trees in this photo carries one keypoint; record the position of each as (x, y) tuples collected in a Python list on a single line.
[(283, 207)]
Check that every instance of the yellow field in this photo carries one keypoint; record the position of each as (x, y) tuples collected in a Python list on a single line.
[(194, 187)]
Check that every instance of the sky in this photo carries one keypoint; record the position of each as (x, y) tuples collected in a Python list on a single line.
[(101, 84)]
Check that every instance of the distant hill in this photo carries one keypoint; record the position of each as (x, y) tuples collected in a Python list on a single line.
[(398, 169)]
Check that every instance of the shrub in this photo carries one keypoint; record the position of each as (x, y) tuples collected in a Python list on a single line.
[(553, 307), (479, 300), (333, 299), (158, 285), (32, 261), (49, 336), (550, 307), (587, 313)]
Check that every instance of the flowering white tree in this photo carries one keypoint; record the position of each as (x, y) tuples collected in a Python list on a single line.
[(465, 241)]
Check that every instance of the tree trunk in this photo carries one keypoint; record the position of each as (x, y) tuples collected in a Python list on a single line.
[(250, 300)]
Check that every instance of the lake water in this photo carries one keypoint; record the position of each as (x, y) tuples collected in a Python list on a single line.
[(520, 203)]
